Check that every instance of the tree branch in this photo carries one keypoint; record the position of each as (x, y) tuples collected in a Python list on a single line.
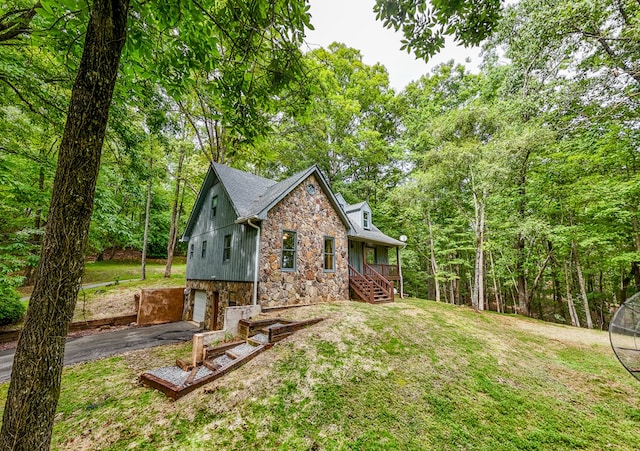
[(623, 13), (18, 93), (11, 28)]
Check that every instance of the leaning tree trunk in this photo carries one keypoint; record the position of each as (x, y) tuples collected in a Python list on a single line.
[(35, 383), (572, 308), (583, 288), (147, 211), (496, 290), (175, 215), (434, 263), (477, 299)]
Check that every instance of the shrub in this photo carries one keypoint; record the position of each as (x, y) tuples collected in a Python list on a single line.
[(11, 308)]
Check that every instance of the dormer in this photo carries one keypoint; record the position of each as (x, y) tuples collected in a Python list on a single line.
[(359, 214)]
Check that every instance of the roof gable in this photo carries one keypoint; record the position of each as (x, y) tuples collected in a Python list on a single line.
[(253, 196), (242, 187), (275, 193)]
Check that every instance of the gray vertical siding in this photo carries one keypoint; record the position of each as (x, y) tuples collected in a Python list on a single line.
[(355, 255), (356, 258), (241, 265)]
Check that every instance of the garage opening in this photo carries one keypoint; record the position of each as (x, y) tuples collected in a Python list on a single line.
[(199, 306)]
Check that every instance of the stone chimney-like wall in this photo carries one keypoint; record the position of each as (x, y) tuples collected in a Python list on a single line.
[(313, 218)]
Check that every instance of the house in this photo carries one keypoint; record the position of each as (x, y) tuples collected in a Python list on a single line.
[(254, 241)]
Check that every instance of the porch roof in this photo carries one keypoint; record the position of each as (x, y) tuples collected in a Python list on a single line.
[(373, 235)]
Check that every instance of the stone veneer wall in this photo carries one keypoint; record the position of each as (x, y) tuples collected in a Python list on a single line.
[(244, 296), (313, 218)]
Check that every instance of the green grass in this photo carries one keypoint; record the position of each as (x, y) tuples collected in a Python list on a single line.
[(118, 270), (414, 375)]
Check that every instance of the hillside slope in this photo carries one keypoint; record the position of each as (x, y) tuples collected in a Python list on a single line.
[(410, 375)]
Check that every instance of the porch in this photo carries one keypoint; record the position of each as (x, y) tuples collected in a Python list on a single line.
[(370, 286), (389, 272)]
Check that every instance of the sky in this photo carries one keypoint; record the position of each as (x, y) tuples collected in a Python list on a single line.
[(352, 22)]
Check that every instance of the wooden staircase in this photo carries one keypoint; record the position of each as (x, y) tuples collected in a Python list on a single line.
[(370, 287), (256, 337)]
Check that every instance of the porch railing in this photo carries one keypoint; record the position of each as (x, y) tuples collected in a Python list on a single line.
[(389, 272)]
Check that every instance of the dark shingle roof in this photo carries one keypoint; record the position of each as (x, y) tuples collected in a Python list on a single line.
[(242, 187), (373, 234), (274, 193), (354, 207), (254, 196)]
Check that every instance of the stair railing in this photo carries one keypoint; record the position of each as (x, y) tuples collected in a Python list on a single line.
[(379, 280), (361, 285)]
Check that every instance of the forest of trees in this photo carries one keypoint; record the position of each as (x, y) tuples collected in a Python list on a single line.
[(518, 187)]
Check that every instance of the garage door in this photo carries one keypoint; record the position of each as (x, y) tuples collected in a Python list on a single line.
[(199, 306)]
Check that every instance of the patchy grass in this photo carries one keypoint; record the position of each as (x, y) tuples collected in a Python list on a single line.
[(118, 270), (411, 375), (118, 299)]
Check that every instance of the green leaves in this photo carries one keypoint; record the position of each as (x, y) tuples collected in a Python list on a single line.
[(425, 27)]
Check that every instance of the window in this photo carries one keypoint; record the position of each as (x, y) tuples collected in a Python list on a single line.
[(289, 243), (203, 253), (226, 251), (365, 219), (214, 206), (233, 299), (329, 254), (191, 251)]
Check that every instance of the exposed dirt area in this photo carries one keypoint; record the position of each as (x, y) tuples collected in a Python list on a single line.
[(115, 302), (112, 303)]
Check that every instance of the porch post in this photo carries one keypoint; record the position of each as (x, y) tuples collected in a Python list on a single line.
[(400, 272)]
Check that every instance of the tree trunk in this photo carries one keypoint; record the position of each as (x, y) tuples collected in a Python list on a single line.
[(37, 367), (583, 289), (477, 298), (147, 211), (521, 287), (456, 286), (496, 292), (452, 294), (572, 308), (175, 216), (434, 263)]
